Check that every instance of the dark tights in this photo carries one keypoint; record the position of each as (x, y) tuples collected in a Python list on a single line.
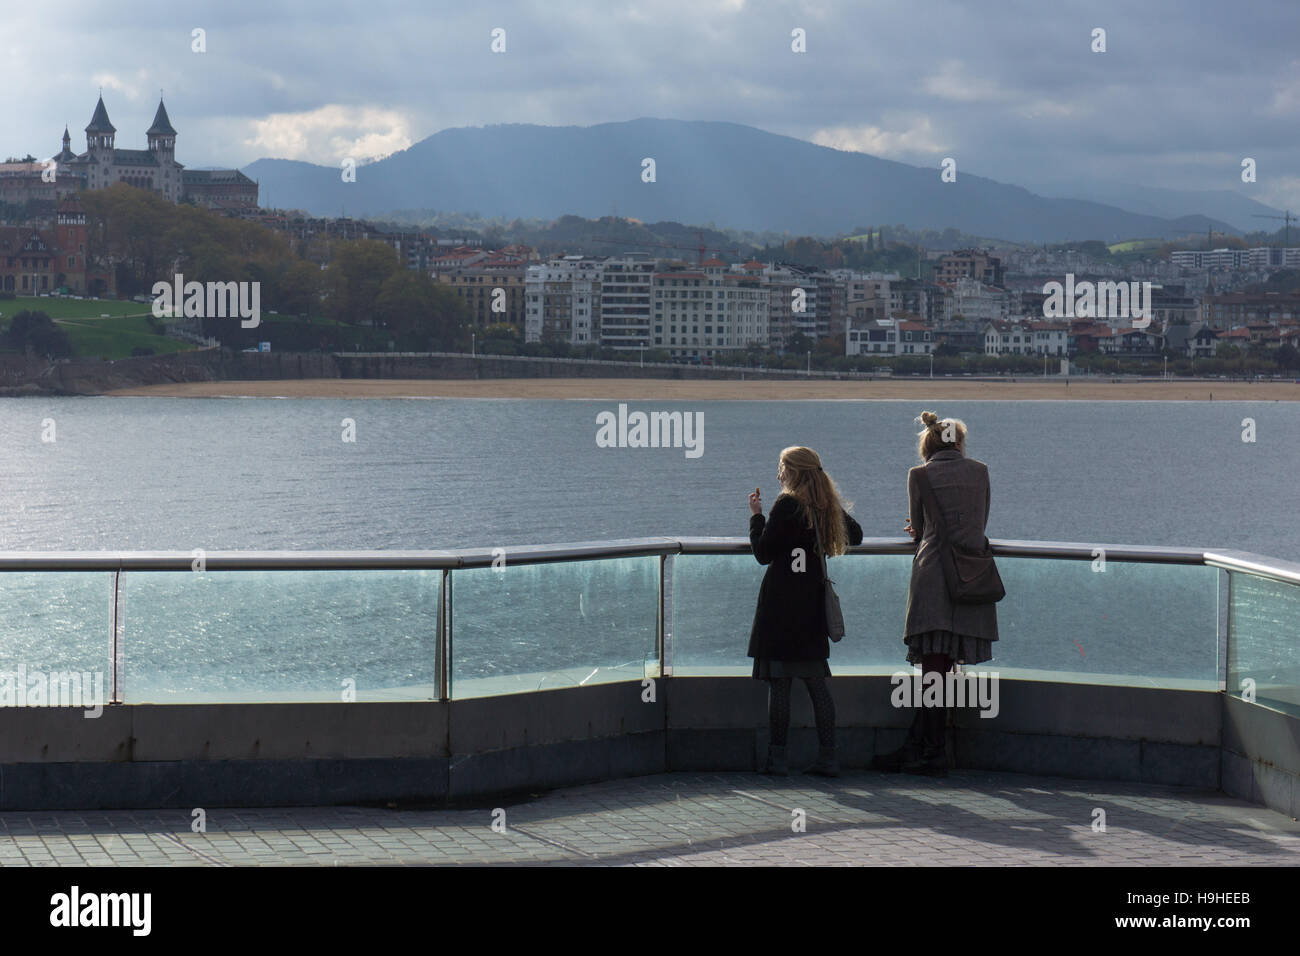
[(935, 662), (778, 709)]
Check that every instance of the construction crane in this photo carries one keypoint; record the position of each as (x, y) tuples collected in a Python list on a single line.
[(1288, 219), (699, 250)]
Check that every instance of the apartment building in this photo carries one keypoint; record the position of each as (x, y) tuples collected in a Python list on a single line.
[(562, 300), (625, 291), (477, 284), (1020, 337), (971, 264), (709, 314)]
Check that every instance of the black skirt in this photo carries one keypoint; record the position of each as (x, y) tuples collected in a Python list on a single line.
[(962, 648), (766, 669)]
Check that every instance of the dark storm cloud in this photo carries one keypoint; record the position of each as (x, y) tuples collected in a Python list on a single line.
[(1009, 89)]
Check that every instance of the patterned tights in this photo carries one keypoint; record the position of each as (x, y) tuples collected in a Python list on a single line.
[(778, 709)]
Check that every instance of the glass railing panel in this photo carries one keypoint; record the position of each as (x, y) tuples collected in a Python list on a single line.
[(56, 636), (1264, 641), (529, 627), (714, 597), (279, 635), (1148, 624), (1110, 622)]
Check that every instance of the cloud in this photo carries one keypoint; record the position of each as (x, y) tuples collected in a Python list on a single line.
[(1286, 97), (329, 134), (953, 82), (917, 141), (131, 87)]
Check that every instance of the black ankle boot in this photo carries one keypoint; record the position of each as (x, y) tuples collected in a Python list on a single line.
[(933, 758), (893, 761)]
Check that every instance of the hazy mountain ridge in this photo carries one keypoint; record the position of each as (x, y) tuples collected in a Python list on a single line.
[(735, 176)]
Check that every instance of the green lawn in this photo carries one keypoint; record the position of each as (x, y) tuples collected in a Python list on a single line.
[(115, 338), (1135, 245), (71, 308), (93, 337)]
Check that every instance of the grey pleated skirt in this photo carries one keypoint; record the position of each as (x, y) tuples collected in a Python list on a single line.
[(960, 647), (765, 669)]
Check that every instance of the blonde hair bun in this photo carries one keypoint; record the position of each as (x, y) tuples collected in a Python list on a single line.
[(929, 419)]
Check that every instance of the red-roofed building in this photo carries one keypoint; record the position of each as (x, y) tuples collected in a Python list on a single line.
[(35, 260)]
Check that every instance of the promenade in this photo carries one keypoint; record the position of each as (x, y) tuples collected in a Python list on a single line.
[(686, 819)]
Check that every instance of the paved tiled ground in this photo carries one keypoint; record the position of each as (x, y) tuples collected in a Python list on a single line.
[(701, 819)]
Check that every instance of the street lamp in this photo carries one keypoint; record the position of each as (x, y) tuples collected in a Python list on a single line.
[(473, 344), (932, 364), (810, 361)]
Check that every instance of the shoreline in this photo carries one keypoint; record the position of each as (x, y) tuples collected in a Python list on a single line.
[(642, 389)]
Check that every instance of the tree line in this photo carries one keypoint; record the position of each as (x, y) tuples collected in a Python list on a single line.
[(363, 284)]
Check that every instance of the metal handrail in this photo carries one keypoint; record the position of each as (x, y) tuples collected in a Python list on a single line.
[(464, 558), (664, 548)]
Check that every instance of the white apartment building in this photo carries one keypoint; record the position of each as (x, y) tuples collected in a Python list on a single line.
[(1026, 338), (562, 300), (914, 338), (874, 337), (626, 301), (1210, 258), (976, 303), (707, 313)]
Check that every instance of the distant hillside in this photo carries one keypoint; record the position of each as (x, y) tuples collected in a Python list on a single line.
[(733, 176), (1225, 205)]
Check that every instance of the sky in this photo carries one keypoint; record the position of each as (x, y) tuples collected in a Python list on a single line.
[(1010, 89)]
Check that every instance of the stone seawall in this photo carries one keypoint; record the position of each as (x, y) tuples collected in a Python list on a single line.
[(23, 375)]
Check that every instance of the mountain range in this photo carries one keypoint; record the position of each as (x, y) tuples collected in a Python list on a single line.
[(724, 174)]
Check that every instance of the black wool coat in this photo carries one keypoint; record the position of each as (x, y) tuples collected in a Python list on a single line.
[(790, 621)]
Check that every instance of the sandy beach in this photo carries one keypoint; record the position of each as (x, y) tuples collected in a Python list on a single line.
[(702, 390)]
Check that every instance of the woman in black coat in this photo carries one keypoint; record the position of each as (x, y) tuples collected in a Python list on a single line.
[(788, 639)]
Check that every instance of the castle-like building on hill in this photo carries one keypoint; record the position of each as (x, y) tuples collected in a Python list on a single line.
[(103, 164)]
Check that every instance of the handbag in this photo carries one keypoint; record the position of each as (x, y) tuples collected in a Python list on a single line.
[(971, 577), (834, 615)]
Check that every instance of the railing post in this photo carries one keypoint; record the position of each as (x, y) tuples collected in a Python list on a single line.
[(115, 678), (666, 615), (1225, 627), (442, 666), (440, 652)]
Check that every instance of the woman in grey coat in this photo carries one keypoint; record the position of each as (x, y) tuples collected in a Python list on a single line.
[(939, 632)]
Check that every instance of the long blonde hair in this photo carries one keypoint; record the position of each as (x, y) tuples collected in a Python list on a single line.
[(939, 434), (808, 484)]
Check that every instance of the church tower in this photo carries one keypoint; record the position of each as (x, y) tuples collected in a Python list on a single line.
[(70, 231), (100, 135), (162, 143)]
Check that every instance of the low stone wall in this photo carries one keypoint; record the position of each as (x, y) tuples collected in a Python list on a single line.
[(23, 375), (480, 749), (20, 375)]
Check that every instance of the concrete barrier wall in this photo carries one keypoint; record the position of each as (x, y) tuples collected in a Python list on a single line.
[(1261, 755), (477, 750)]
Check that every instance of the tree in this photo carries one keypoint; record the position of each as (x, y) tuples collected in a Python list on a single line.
[(1287, 357), (420, 312), (356, 273), (36, 332)]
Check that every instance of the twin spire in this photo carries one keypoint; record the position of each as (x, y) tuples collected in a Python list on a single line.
[(100, 123)]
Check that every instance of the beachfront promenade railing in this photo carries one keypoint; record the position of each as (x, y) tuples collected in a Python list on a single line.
[(441, 625)]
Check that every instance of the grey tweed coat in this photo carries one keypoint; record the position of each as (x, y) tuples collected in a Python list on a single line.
[(961, 486)]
